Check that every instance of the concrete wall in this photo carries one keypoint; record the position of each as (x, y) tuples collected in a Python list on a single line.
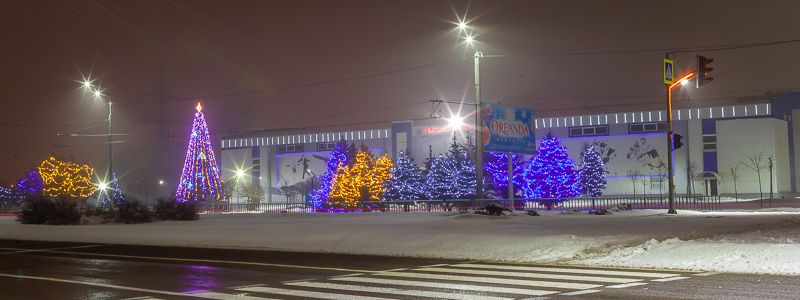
[(738, 140)]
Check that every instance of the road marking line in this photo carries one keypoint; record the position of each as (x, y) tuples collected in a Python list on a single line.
[(583, 292), (436, 265), (246, 286), (442, 285), (549, 284), (394, 291), (706, 274), (111, 286), (621, 286), (213, 261), (221, 296), (395, 270), (568, 270), (669, 279), (308, 294), (23, 250), (143, 298), (532, 275)]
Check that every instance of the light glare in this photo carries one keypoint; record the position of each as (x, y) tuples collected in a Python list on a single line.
[(455, 122)]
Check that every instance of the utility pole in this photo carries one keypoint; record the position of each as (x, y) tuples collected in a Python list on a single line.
[(670, 134), (110, 144), (478, 128)]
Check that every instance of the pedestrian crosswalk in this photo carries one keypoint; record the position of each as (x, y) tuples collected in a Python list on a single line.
[(479, 281)]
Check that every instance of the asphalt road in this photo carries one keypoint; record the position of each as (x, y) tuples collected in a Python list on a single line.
[(45, 270)]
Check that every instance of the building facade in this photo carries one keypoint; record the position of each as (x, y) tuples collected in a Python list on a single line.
[(725, 149)]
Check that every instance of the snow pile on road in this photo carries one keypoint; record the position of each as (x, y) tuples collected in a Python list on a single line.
[(760, 242)]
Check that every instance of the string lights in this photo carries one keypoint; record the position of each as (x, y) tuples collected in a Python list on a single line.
[(62, 178), (200, 180)]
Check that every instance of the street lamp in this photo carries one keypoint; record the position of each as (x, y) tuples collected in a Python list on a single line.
[(470, 40), (670, 140), (98, 94)]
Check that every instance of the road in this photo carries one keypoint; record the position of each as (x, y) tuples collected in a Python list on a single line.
[(45, 270)]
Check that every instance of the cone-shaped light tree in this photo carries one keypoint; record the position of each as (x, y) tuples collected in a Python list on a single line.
[(593, 173), (496, 167), (440, 182), (338, 158), (406, 182), (551, 176), (200, 180)]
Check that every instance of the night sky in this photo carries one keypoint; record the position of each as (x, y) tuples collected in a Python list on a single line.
[(315, 64)]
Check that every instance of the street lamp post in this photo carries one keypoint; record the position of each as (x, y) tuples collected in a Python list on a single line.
[(98, 94), (478, 127), (670, 140)]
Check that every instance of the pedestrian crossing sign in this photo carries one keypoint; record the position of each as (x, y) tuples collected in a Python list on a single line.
[(669, 73)]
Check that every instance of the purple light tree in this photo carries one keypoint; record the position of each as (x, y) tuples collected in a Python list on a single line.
[(200, 180)]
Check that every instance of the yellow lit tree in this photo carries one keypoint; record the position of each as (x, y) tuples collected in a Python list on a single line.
[(69, 179), (360, 183)]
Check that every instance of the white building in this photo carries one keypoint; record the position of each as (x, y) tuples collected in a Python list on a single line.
[(716, 140)]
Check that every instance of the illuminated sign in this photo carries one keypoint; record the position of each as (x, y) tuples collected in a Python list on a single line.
[(508, 129)]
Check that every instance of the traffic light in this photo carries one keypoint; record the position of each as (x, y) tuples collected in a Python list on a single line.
[(676, 141), (704, 70)]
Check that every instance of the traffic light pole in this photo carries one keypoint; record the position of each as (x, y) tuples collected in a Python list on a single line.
[(670, 143)]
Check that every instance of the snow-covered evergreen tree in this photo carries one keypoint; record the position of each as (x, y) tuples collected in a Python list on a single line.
[(407, 182), (593, 173)]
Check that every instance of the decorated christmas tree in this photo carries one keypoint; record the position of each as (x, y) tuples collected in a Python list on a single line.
[(406, 182), (593, 173), (466, 178), (359, 184), (110, 195), (31, 183), (440, 182), (496, 169), (338, 158), (200, 180), (551, 176)]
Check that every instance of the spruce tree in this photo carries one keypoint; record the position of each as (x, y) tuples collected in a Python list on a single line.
[(440, 181), (593, 173), (406, 182), (496, 170), (322, 191), (551, 176)]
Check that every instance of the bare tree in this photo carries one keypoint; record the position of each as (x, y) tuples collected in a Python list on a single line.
[(634, 176), (253, 193), (692, 173), (734, 176), (755, 162), (662, 176)]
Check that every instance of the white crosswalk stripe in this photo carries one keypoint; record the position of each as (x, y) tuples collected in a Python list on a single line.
[(307, 294), (531, 275), (569, 270), (395, 291), (547, 284), (454, 286), (222, 296)]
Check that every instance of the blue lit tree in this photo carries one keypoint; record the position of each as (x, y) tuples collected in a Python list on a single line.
[(496, 169), (466, 177), (551, 176), (593, 173), (31, 183), (440, 182), (338, 157), (407, 182)]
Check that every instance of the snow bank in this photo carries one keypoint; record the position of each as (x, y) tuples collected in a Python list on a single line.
[(763, 242)]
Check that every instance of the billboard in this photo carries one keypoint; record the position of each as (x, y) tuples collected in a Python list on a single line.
[(508, 129)]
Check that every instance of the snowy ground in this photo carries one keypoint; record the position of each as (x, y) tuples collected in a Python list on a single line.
[(763, 241)]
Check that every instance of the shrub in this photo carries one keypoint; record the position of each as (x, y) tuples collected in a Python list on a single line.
[(45, 210), (132, 211), (65, 212), (35, 210), (170, 209)]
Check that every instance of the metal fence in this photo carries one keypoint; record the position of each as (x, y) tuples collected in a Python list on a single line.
[(703, 203)]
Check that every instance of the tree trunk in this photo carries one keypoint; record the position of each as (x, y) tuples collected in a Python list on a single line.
[(735, 190)]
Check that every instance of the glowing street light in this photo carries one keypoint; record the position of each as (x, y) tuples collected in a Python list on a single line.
[(103, 186), (161, 182), (455, 122), (239, 174), (469, 39), (87, 84)]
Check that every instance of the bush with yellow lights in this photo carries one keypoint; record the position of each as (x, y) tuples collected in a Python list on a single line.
[(361, 184), (66, 179)]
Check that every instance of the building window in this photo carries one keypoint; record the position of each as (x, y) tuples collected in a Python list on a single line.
[(647, 127), (290, 148), (709, 143), (598, 130), (326, 146)]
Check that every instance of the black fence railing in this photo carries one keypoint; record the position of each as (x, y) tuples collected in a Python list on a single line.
[(703, 203)]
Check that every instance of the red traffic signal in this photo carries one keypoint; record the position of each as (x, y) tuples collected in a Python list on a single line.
[(704, 70)]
